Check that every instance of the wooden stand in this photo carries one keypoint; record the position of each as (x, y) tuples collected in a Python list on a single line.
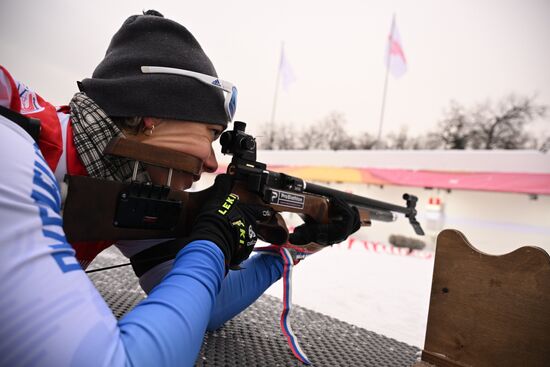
[(487, 310)]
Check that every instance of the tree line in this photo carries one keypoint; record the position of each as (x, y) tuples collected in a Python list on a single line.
[(483, 126)]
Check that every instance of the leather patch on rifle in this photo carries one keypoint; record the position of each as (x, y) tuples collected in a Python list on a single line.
[(150, 154)]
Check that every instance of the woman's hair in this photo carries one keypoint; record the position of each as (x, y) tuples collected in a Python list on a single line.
[(132, 125)]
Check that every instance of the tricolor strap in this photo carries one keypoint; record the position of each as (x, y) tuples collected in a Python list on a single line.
[(287, 307), (288, 262)]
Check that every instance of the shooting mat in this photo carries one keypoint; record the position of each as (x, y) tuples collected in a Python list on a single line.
[(254, 338)]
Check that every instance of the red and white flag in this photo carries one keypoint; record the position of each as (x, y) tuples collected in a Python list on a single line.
[(395, 57)]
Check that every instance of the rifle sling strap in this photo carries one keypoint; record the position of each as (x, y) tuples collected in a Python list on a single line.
[(145, 260), (153, 155)]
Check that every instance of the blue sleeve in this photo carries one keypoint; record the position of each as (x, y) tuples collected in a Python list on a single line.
[(52, 315), (241, 288), (167, 328)]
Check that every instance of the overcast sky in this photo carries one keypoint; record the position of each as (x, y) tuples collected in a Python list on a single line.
[(468, 50)]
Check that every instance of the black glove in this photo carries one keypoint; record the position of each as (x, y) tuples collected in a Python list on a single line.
[(344, 220), (228, 223)]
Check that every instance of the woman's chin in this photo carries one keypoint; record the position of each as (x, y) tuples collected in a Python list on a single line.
[(181, 183)]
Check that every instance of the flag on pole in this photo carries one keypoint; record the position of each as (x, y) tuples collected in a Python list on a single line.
[(287, 74), (395, 57)]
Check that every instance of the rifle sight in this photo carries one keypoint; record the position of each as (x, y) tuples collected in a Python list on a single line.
[(238, 143)]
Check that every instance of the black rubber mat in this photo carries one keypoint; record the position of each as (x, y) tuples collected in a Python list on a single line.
[(254, 338)]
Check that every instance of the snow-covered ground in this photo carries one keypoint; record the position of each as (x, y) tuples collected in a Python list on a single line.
[(367, 285)]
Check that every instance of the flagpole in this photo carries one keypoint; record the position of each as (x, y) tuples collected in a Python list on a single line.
[(274, 106), (383, 106), (385, 86), (276, 89)]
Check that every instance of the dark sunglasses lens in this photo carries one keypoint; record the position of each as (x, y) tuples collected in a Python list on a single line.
[(232, 107)]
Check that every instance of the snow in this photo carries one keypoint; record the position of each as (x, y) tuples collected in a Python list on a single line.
[(378, 290)]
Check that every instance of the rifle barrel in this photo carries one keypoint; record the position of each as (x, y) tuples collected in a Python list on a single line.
[(380, 215), (354, 199)]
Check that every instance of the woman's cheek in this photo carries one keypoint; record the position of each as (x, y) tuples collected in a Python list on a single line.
[(201, 149)]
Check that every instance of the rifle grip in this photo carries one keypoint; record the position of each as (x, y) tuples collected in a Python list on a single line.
[(273, 231)]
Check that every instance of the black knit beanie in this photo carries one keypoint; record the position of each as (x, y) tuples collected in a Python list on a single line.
[(120, 88)]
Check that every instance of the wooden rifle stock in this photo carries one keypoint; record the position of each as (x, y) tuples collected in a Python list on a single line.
[(316, 208), (82, 222)]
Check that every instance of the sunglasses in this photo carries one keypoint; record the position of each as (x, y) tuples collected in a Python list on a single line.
[(229, 89)]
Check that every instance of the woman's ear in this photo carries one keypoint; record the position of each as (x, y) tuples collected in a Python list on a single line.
[(149, 122)]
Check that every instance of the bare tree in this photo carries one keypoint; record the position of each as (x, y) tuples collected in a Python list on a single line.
[(399, 140), (335, 132), (481, 127), (544, 144), (285, 137), (266, 138), (431, 140), (402, 140), (365, 141), (422, 142), (280, 136), (329, 133), (486, 126), (502, 127), (454, 131), (313, 138)]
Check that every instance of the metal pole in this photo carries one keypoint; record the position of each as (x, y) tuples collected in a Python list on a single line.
[(274, 107), (385, 85)]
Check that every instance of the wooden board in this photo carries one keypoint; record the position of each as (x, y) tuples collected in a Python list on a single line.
[(488, 310)]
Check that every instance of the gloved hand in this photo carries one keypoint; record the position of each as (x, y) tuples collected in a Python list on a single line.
[(344, 220), (231, 225)]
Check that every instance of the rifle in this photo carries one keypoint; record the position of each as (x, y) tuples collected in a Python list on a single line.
[(144, 211), (285, 193)]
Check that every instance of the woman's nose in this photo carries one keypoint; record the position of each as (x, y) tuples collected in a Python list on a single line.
[(211, 163)]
